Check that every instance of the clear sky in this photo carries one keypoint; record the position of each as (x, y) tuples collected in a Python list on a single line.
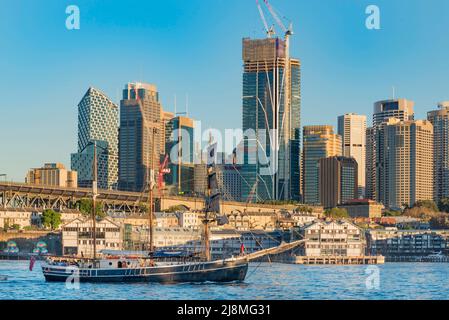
[(194, 47)]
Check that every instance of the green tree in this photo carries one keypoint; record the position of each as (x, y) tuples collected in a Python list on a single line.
[(392, 213), (429, 204), (336, 213), (85, 207), (304, 208), (443, 205), (175, 209), (16, 227), (51, 219)]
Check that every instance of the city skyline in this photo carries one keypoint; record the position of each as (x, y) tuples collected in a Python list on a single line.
[(54, 49)]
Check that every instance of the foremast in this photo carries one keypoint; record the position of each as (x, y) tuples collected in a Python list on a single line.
[(212, 205)]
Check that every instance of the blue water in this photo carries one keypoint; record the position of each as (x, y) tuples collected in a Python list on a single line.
[(264, 281)]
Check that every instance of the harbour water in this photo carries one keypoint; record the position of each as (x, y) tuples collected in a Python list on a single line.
[(264, 282)]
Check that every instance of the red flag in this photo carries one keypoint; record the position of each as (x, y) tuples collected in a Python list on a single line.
[(32, 261), (242, 248)]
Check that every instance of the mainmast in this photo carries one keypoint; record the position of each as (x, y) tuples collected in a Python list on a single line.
[(150, 196), (94, 196), (212, 198)]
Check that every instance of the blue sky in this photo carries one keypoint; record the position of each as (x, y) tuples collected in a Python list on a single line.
[(194, 47)]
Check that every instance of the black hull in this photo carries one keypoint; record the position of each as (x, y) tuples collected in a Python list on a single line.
[(216, 271)]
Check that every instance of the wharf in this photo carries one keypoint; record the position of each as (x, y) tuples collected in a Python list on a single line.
[(334, 260)]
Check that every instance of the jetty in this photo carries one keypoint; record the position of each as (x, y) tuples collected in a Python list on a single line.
[(332, 260)]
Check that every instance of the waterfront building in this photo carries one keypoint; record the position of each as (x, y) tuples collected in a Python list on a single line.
[(26, 218), (260, 220), (333, 238), (53, 175), (270, 121), (401, 109), (440, 121), (189, 219), (338, 180), (352, 129), (224, 242), (140, 125), (302, 219), (97, 123), (319, 142), (391, 242), (363, 208), (406, 169), (77, 237)]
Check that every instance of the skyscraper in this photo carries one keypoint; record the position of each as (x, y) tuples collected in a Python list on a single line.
[(401, 109), (406, 171), (440, 120), (271, 121), (180, 148), (141, 135), (319, 142), (338, 180), (352, 129), (97, 122), (370, 172)]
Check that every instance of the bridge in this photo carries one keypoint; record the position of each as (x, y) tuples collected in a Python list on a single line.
[(18, 196)]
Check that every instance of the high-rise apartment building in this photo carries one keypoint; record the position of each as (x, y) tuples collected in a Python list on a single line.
[(352, 129), (318, 142), (440, 120), (141, 136), (97, 123), (337, 180), (401, 109), (271, 121), (52, 174), (407, 171)]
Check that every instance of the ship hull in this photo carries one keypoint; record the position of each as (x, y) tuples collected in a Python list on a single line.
[(215, 271)]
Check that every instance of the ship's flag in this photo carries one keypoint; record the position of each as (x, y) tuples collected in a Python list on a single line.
[(32, 261), (242, 248)]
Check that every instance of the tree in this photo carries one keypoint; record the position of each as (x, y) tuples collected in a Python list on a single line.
[(304, 208), (176, 208), (336, 213), (392, 213), (443, 205), (429, 204), (85, 207), (51, 219)]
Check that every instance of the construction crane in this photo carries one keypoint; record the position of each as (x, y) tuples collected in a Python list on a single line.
[(285, 124), (269, 30)]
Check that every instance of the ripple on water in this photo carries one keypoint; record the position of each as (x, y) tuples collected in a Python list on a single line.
[(265, 281)]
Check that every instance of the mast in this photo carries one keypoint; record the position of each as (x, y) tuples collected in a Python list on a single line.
[(94, 196), (150, 197), (212, 198)]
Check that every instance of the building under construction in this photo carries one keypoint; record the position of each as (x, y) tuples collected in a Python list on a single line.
[(271, 109)]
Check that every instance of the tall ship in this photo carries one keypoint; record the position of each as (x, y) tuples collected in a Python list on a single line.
[(177, 268)]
